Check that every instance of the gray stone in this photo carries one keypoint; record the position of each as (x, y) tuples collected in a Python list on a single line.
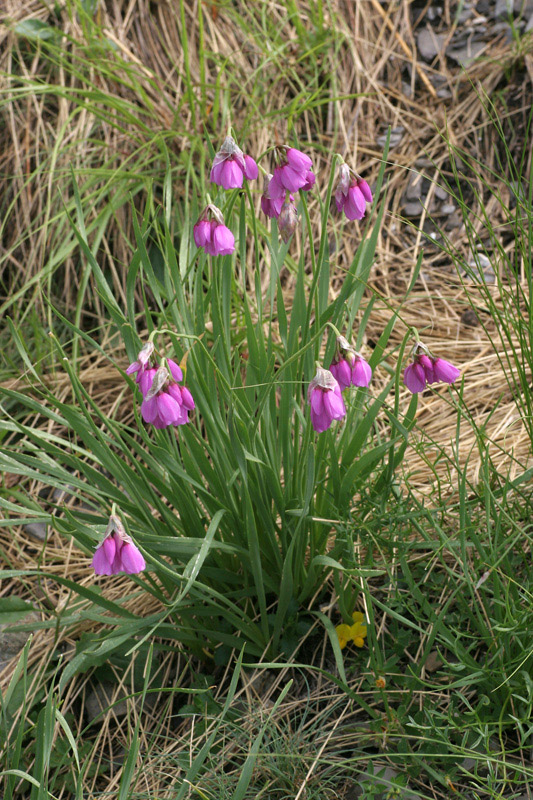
[(37, 530), (503, 8), (430, 44), (12, 642), (98, 701), (448, 208), (444, 94), (464, 56), (529, 26), (412, 208), (396, 137), (441, 193), (414, 187)]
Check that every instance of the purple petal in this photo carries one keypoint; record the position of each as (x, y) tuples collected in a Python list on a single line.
[(445, 371), (355, 205), (223, 240), (414, 378), (149, 410), (317, 400), (298, 160), (427, 365), (310, 182), (216, 170), (100, 563), (342, 373), (231, 175), (275, 187), (132, 559), (109, 548), (291, 179), (175, 370), (133, 367), (251, 170), (202, 233), (167, 408), (365, 189), (334, 404), (145, 380), (187, 398), (361, 372)]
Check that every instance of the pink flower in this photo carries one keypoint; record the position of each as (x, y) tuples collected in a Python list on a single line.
[(211, 234), (325, 398), (426, 369), (288, 219), (349, 367), (231, 166), (165, 403), (117, 552), (143, 361), (269, 206), (293, 173), (352, 194)]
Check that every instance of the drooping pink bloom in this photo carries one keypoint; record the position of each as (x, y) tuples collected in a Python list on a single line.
[(117, 552), (288, 219), (293, 173), (211, 233), (142, 362), (349, 367), (165, 403), (352, 194), (445, 371), (325, 398), (270, 206), (231, 166), (426, 369)]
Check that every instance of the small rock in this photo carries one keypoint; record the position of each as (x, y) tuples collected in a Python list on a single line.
[(429, 43), (505, 28), (523, 7), (464, 56), (414, 187), (12, 642), (396, 137), (469, 318), (529, 26), (444, 94), (433, 662), (441, 193), (37, 530), (101, 697), (455, 220), (503, 8), (448, 208), (468, 764), (412, 208), (407, 89)]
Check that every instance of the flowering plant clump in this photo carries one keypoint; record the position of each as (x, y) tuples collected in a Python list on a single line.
[(349, 367), (355, 633), (426, 369), (352, 194), (117, 552), (211, 234), (231, 166)]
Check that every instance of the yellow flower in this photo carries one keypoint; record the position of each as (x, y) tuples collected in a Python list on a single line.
[(352, 633), (358, 629), (344, 634)]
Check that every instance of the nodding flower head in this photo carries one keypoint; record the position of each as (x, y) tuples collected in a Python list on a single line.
[(294, 172), (270, 207), (325, 398), (231, 166), (426, 368), (117, 552), (165, 402), (349, 367), (212, 235), (288, 219), (352, 194)]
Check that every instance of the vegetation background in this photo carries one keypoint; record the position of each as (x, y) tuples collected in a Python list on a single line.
[(118, 100)]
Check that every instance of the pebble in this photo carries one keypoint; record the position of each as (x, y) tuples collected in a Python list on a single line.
[(469, 318), (429, 43), (412, 208), (12, 642), (414, 187), (97, 702), (37, 530), (464, 56), (396, 137), (448, 208), (529, 26), (503, 8), (441, 193)]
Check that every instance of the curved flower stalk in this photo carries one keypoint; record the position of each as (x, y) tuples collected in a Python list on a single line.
[(352, 193), (211, 234), (325, 398), (426, 369), (349, 367), (231, 166), (117, 552)]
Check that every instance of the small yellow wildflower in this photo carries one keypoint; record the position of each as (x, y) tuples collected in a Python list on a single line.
[(352, 633), (381, 682)]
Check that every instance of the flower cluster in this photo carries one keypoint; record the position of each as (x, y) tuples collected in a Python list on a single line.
[(117, 552), (164, 403), (231, 166), (355, 633), (349, 367), (426, 369), (211, 233), (352, 194)]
